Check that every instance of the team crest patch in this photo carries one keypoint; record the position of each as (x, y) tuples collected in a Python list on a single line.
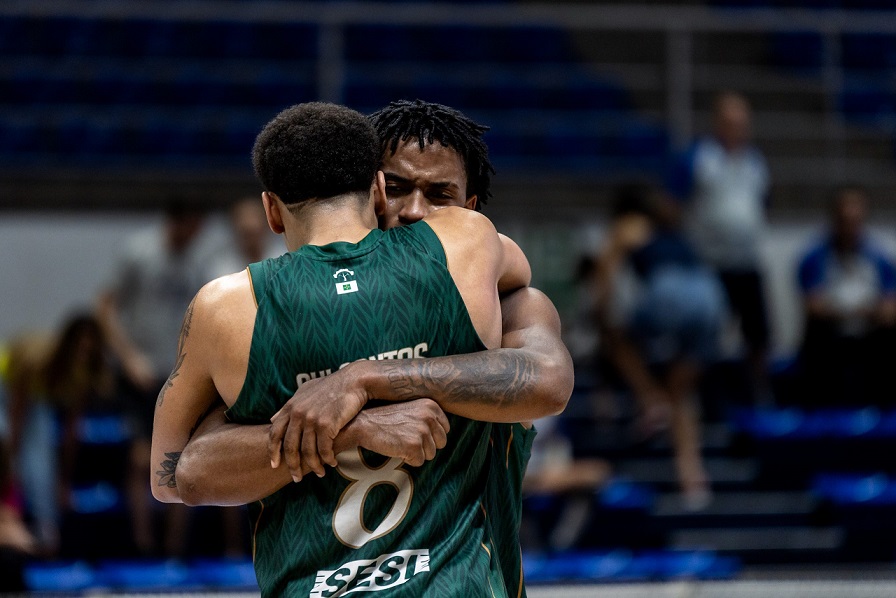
[(345, 285)]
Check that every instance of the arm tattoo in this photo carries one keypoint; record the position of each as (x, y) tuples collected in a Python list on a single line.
[(500, 377), (181, 353), (166, 474)]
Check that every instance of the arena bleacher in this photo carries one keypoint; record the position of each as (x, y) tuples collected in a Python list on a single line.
[(122, 92)]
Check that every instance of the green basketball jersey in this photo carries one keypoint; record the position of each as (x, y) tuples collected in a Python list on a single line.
[(373, 524), (511, 447)]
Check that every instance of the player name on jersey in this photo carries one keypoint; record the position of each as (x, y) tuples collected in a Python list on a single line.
[(414, 352), (371, 575)]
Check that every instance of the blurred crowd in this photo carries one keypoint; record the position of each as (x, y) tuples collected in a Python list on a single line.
[(679, 272), (104, 367), (671, 325)]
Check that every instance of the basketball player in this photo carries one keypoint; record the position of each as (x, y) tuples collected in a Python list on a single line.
[(245, 337), (450, 169)]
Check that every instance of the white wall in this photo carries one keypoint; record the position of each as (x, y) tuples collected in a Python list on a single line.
[(55, 263)]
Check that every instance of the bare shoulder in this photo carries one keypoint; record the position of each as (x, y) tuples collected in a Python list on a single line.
[(229, 288), (223, 300), (462, 230), (457, 219)]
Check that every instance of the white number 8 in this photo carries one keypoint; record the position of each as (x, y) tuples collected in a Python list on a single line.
[(348, 519)]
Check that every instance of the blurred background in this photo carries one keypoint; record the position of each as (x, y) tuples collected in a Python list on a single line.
[(749, 143)]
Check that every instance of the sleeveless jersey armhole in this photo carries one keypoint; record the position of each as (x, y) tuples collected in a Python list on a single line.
[(430, 241), (257, 281)]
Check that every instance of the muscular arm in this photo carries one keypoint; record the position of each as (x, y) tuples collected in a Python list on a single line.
[(229, 464), (529, 377), (519, 384)]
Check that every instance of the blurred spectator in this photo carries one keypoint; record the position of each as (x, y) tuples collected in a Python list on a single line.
[(723, 182), (662, 321), (16, 542), (52, 378), (553, 470), (251, 241), (582, 336), (849, 296), (142, 310)]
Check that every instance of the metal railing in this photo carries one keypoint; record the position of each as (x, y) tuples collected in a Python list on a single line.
[(682, 75)]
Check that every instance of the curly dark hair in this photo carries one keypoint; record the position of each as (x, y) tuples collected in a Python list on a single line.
[(428, 122), (316, 150)]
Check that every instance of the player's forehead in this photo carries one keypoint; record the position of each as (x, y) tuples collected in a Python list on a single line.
[(434, 163)]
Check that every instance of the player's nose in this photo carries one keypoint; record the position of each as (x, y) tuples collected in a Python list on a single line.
[(414, 209)]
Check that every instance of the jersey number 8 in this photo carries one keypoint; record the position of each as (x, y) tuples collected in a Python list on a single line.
[(348, 519)]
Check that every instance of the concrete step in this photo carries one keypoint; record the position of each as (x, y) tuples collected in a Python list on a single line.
[(660, 471), (765, 544), (737, 509)]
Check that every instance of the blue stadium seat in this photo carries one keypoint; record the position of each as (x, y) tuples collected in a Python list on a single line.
[(797, 50), (529, 44), (855, 489), (868, 51), (63, 577), (145, 575), (868, 103), (230, 574)]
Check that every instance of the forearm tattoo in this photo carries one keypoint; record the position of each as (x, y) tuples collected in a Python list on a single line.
[(181, 353), (169, 466), (500, 378)]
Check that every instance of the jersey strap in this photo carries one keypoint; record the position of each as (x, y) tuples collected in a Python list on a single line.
[(258, 280), (429, 240)]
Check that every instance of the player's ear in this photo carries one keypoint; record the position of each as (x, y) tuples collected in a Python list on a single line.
[(378, 192), (471, 202), (272, 211)]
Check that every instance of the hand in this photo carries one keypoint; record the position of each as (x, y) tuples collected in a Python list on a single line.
[(307, 424), (412, 431), (631, 232), (140, 372)]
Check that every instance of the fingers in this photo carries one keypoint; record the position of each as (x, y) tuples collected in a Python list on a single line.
[(417, 455), (429, 447), (444, 424), (275, 439), (325, 449), (309, 452), (291, 448), (440, 433)]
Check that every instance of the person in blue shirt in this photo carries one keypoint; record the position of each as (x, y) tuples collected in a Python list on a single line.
[(661, 311), (722, 184), (848, 286)]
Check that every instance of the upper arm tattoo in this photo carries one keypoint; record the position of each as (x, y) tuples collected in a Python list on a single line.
[(502, 377), (181, 352)]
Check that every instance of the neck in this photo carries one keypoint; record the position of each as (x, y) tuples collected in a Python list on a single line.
[(330, 221)]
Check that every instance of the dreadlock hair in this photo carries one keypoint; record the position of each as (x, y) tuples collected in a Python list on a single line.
[(428, 122), (316, 150)]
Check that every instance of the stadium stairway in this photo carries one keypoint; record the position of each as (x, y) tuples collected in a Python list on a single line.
[(790, 487)]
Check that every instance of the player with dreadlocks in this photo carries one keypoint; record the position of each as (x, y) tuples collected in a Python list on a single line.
[(406, 124), (433, 157)]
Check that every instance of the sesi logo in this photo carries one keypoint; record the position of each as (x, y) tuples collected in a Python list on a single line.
[(371, 575)]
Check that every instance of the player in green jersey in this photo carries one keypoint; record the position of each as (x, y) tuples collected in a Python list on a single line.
[(418, 184), (246, 337), (434, 157)]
